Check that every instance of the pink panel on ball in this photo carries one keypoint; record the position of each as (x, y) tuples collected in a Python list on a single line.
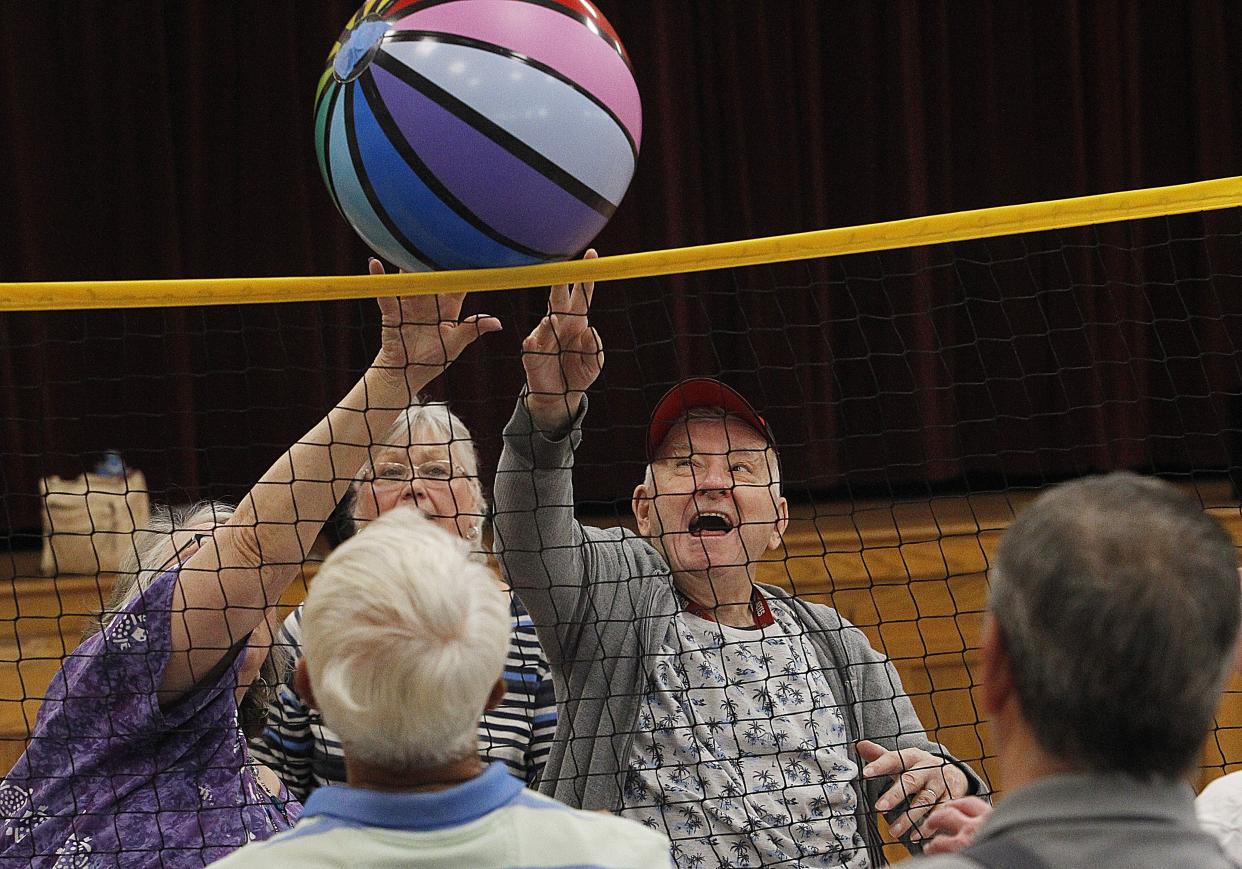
[(549, 37)]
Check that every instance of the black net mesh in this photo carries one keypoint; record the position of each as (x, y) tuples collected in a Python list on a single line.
[(918, 398)]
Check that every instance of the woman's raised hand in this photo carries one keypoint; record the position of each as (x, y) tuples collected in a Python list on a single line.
[(420, 336)]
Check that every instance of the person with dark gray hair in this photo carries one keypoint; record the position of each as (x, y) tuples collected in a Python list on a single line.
[(1112, 628)]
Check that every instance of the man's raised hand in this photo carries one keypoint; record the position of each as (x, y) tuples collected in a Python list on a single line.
[(562, 356)]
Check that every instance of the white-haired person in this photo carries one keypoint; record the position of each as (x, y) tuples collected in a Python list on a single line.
[(426, 459), (137, 757), (752, 727), (402, 618)]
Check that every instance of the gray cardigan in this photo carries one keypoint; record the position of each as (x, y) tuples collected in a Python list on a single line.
[(603, 602), (1088, 820)]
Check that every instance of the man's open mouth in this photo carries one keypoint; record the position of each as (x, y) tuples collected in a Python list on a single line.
[(710, 525)]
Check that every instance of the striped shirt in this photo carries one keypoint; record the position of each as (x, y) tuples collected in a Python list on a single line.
[(518, 732), (488, 822)]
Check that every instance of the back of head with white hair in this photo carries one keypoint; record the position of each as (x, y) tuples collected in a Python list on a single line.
[(405, 637)]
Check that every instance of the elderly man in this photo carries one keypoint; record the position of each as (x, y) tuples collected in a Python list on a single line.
[(404, 639), (1113, 621), (752, 727)]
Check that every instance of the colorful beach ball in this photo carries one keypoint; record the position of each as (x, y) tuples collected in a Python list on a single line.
[(477, 133)]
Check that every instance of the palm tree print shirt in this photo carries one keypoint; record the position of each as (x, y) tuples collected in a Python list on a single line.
[(741, 755)]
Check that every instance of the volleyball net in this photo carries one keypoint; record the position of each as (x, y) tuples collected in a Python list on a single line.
[(923, 378)]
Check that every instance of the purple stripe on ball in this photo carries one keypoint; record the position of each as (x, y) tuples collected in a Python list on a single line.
[(543, 112), (445, 237), (487, 179)]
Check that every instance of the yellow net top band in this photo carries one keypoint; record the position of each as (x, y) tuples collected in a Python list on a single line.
[(910, 232)]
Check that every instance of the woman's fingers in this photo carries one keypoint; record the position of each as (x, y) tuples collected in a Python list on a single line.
[(459, 336)]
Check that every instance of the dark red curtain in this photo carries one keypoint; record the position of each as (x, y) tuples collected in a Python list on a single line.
[(146, 139)]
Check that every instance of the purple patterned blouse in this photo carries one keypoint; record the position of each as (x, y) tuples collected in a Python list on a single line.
[(111, 779)]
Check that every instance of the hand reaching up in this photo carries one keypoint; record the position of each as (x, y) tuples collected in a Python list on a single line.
[(562, 356), (420, 336)]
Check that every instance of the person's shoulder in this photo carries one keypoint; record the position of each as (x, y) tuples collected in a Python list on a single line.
[(603, 830), (525, 650), (293, 621), (305, 844), (820, 615), (822, 621), (611, 534), (255, 854), (153, 595), (518, 613), (639, 546), (635, 550), (290, 634), (1222, 796), (1219, 810), (142, 625), (624, 829)]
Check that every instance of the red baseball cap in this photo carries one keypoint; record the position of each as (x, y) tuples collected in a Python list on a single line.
[(700, 392)]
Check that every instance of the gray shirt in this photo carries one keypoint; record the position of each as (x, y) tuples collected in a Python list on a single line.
[(1099, 822), (603, 602)]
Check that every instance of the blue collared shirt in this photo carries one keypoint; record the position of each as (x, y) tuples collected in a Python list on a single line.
[(488, 822), (417, 810)]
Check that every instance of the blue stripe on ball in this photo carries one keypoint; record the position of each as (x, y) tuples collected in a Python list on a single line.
[(440, 233), (472, 167), (533, 107), (353, 198)]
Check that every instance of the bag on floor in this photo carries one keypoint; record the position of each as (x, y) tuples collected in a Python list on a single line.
[(89, 521)]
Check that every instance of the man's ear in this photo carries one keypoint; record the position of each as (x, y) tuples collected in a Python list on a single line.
[(782, 523), (302, 683), (997, 683), (640, 503), (498, 694)]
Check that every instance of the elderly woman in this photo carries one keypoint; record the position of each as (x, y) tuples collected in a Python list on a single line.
[(428, 460), (137, 758)]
